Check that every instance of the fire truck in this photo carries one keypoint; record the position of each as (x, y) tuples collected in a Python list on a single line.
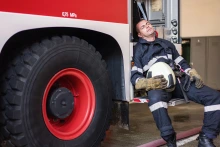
[(65, 66)]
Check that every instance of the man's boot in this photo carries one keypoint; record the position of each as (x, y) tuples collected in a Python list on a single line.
[(205, 141), (171, 140)]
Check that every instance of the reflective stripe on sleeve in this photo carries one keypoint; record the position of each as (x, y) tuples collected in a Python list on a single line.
[(178, 59), (158, 105), (136, 80), (212, 108), (186, 70), (169, 56), (134, 68)]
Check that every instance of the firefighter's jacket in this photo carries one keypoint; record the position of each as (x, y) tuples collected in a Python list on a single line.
[(147, 53)]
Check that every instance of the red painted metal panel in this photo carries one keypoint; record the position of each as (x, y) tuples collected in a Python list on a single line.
[(99, 10)]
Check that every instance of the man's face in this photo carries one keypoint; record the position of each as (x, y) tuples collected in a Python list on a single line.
[(145, 29)]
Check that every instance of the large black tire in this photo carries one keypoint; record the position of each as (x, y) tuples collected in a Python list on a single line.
[(23, 90)]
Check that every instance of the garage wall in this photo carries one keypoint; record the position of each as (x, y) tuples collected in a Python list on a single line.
[(199, 18), (213, 60), (198, 56), (205, 59)]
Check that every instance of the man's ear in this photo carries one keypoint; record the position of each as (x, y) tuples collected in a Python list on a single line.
[(139, 35)]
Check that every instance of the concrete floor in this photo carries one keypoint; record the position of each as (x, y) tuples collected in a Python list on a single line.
[(143, 129)]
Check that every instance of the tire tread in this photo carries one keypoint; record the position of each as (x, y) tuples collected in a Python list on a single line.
[(14, 82)]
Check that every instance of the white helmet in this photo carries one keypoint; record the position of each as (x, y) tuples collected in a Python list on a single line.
[(161, 68)]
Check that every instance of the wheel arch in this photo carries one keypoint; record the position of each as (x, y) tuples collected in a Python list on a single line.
[(105, 44)]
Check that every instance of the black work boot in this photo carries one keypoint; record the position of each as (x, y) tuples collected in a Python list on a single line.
[(205, 141), (171, 141)]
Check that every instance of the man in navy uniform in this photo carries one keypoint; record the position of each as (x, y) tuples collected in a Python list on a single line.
[(150, 50)]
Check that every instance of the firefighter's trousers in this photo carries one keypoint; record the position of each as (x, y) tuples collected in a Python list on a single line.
[(206, 96)]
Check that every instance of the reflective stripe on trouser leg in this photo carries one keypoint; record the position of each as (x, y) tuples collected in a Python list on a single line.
[(210, 122), (210, 98), (158, 106)]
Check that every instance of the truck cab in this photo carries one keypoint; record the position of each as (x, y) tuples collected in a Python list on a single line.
[(65, 65)]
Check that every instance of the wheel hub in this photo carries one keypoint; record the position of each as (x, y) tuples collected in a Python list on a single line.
[(68, 111), (61, 103)]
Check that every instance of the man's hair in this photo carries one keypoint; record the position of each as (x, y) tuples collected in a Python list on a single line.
[(137, 29)]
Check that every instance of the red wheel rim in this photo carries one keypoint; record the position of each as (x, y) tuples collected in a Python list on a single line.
[(84, 104)]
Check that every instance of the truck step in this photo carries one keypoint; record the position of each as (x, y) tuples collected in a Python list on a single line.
[(176, 101), (173, 102)]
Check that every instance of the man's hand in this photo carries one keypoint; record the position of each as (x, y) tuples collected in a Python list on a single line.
[(194, 76), (141, 84), (157, 82)]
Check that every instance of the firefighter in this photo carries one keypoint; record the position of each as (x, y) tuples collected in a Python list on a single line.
[(150, 50)]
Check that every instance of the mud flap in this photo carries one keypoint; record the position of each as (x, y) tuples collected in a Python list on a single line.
[(120, 114)]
